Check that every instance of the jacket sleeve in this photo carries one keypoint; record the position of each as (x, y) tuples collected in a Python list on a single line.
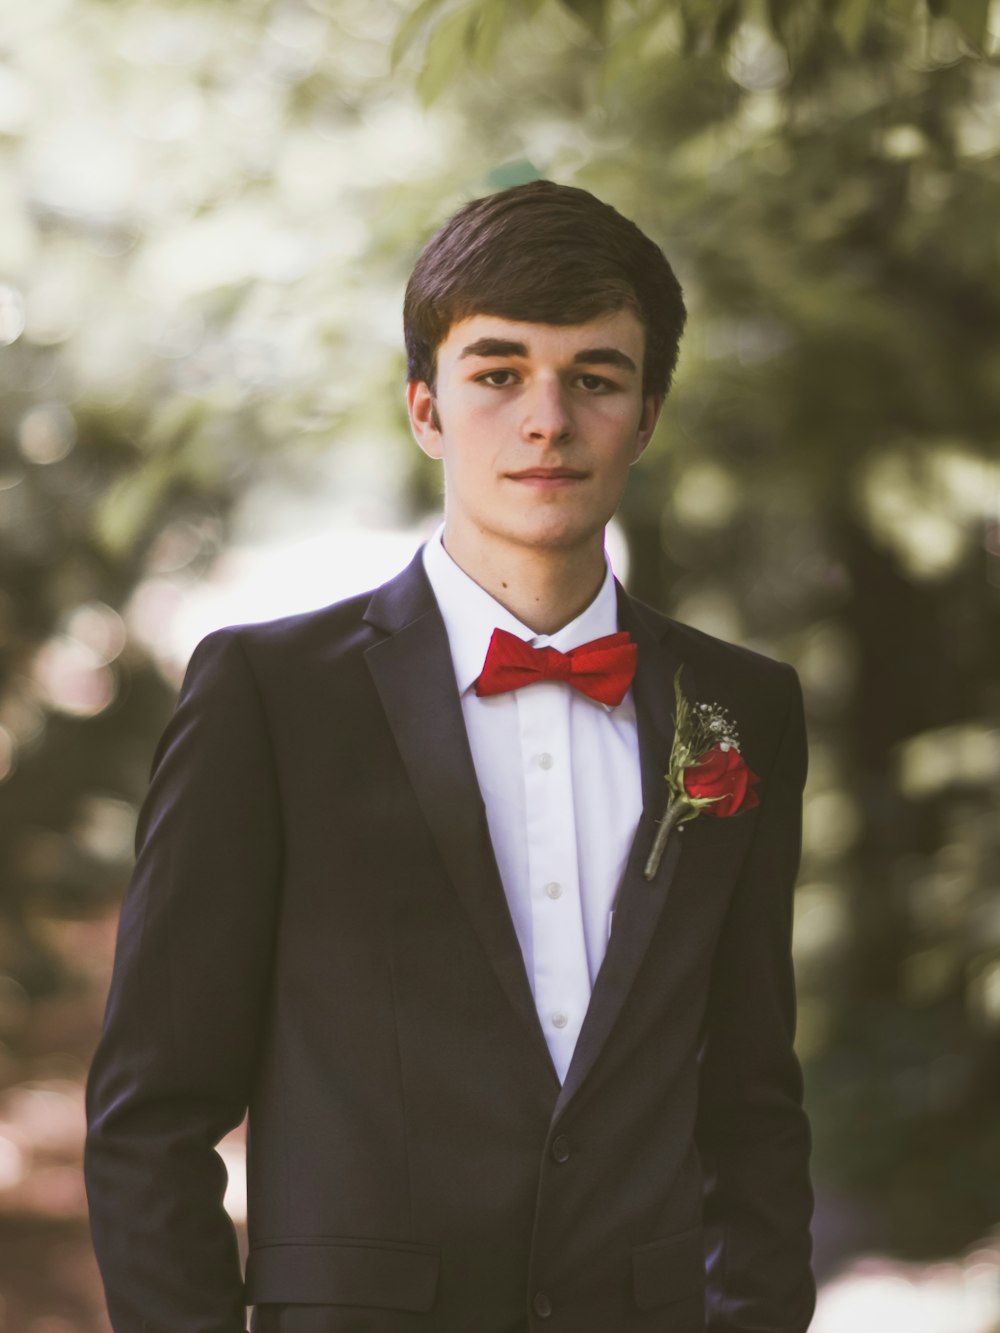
[(173, 1068), (752, 1131)]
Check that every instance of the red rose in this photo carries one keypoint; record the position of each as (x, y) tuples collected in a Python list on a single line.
[(723, 774)]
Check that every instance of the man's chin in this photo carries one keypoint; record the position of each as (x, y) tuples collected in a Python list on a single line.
[(557, 535)]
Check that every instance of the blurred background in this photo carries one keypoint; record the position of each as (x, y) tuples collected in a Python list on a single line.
[(208, 211)]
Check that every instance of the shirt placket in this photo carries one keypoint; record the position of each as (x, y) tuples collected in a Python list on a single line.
[(561, 979)]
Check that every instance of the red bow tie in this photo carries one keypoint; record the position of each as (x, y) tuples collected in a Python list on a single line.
[(602, 669)]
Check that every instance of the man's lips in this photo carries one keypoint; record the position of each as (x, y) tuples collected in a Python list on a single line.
[(547, 475)]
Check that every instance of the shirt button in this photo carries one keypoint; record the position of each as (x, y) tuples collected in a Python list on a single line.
[(559, 1020), (541, 1305), (553, 890), (561, 1150), (545, 761)]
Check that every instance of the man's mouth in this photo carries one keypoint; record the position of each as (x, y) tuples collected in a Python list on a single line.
[(548, 476)]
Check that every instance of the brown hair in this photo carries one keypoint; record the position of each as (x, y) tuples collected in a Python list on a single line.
[(546, 254)]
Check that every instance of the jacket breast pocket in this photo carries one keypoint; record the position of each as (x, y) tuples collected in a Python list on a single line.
[(382, 1274), (671, 1269)]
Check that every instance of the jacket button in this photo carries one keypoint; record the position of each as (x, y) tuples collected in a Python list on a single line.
[(541, 1305), (561, 1151)]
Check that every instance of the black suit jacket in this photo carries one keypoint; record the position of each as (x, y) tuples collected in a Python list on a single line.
[(316, 930)]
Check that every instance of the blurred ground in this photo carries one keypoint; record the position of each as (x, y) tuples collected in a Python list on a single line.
[(48, 1278), (49, 1281)]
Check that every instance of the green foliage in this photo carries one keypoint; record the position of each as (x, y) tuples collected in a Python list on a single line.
[(593, 14), (708, 26), (450, 43), (972, 16), (413, 22), (850, 20), (471, 32)]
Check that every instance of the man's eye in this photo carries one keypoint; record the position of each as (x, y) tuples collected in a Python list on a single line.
[(595, 383), (497, 379)]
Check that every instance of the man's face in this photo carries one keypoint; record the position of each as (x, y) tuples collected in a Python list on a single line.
[(537, 426)]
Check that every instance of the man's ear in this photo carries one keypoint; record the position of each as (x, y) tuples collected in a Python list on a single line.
[(652, 405), (424, 420)]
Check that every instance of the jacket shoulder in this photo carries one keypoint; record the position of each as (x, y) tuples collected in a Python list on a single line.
[(344, 627), (288, 661), (305, 627)]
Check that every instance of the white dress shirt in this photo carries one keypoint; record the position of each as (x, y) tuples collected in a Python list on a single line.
[(559, 775)]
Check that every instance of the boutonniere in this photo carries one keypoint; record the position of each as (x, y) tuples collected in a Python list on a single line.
[(706, 773)]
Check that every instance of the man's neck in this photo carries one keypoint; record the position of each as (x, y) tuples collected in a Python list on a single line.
[(544, 589)]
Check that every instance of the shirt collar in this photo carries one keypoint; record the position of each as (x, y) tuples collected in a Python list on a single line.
[(470, 614)]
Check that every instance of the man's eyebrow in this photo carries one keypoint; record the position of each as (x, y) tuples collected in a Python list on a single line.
[(494, 347), (589, 356), (604, 356)]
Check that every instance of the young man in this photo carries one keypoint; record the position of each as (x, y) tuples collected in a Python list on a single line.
[(394, 892)]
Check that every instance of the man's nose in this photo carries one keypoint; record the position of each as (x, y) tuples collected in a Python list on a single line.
[(547, 416)]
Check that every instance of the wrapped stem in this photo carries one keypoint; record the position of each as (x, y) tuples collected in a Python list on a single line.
[(676, 807)]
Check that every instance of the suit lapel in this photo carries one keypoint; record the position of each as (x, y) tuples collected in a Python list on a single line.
[(413, 673), (639, 902)]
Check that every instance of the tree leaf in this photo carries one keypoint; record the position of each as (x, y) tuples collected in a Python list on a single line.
[(447, 48), (726, 23), (777, 14), (972, 16), (693, 26), (125, 511), (636, 50), (519, 172), (850, 20), (407, 31), (488, 27), (593, 14)]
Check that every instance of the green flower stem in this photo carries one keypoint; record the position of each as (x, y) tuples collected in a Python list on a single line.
[(676, 807)]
